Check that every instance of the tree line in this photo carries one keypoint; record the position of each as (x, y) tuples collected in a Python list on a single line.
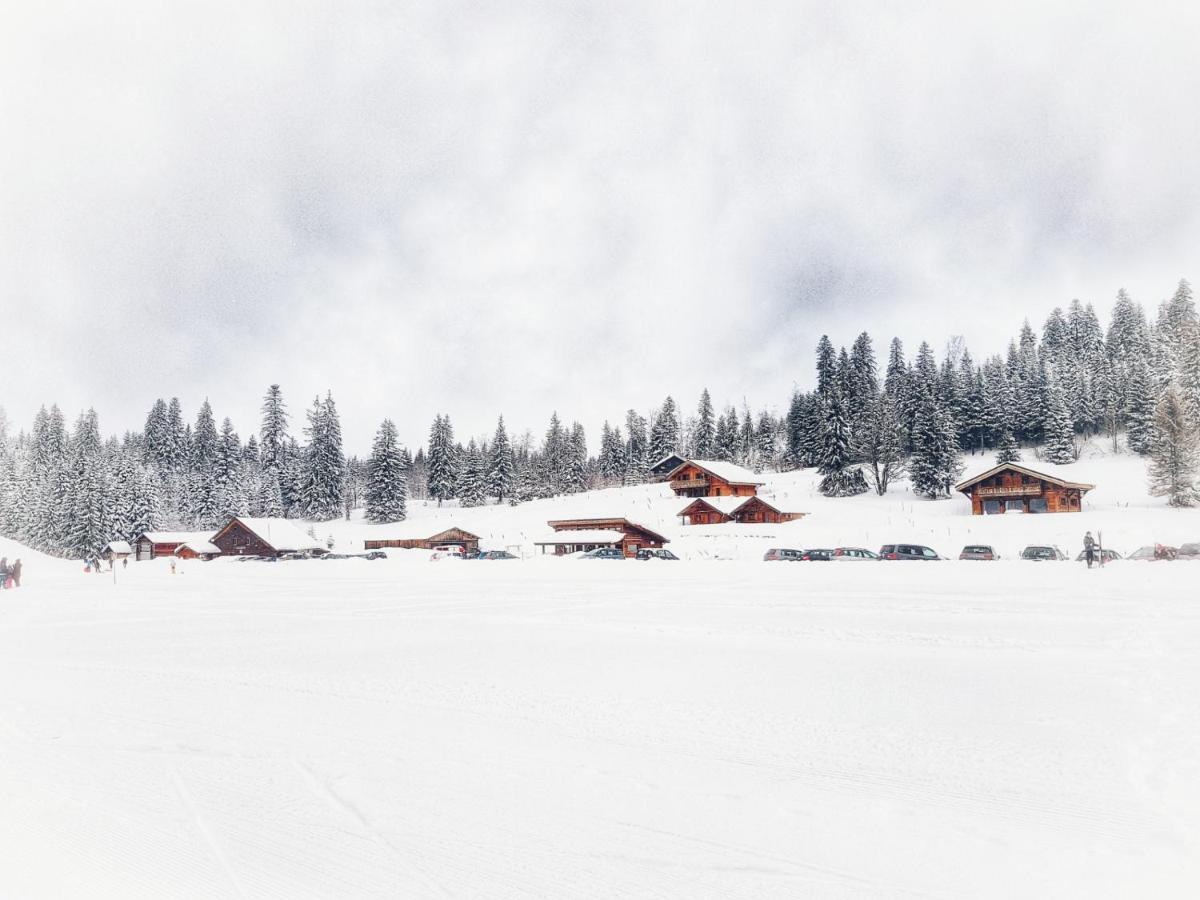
[(70, 491)]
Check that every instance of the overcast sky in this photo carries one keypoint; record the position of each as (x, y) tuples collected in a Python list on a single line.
[(515, 207)]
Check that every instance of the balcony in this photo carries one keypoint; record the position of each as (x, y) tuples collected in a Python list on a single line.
[(1017, 490), (689, 484)]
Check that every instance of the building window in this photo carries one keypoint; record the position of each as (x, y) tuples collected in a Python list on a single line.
[(1038, 505), (991, 507), (1014, 506)]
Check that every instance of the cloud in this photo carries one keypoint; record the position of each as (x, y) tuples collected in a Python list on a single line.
[(480, 208)]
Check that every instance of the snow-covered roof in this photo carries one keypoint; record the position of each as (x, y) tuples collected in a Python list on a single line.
[(584, 536), (1024, 470), (281, 534), (176, 537), (201, 547), (725, 505), (119, 547), (726, 471), (418, 529)]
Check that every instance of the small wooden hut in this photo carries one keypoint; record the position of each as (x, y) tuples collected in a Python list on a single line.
[(116, 550), (153, 544), (1010, 487), (745, 510)]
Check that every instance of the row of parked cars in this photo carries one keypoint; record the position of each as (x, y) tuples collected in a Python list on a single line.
[(1034, 553)]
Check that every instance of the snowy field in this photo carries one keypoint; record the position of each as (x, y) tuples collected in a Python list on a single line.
[(562, 728)]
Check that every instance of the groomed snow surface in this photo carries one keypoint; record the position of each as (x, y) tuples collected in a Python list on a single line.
[(567, 728)]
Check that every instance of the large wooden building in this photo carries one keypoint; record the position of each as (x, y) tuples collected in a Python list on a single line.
[(573, 535), (743, 510), (247, 536), (708, 478), (1010, 487), (418, 537)]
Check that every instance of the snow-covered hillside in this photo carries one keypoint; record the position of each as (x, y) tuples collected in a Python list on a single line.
[(1119, 508), (561, 728)]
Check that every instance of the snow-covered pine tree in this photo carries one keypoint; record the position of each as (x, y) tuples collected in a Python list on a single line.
[(555, 458), (881, 445), (1174, 452), (842, 477), (935, 458), (797, 421), (323, 472), (704, 436), (636, 450), (612, 455), (472, 483), (1007, 450), (764, 442), (501, 466), (577, 459), (1059, 429), (442, 475), (664, 434), (827, 368)]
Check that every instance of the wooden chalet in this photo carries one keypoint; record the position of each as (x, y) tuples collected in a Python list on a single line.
[(153, 544), (1010, 487), (743, 510), (246, 536), (573, 535), (421, 539), (708, 478)]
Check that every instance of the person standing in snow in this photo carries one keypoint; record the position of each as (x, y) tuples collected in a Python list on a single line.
[(3, 572), (1089, 548), (15, 574)]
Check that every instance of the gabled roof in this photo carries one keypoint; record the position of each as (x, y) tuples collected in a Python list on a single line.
[(1041, 476), (176, 537), (119, 547), (673, 460), (279, 534), (415, 530), (562, 525), (724, 505), (725, 471), (200, 547)]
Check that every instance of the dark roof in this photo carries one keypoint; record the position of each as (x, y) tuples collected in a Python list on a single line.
[(617, 523)]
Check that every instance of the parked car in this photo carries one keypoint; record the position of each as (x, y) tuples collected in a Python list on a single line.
[(1108, 555), (452, 552), (494, 554), (908, 551), (1043, 553), (978, 551), (847, 554), (778, 554), (661, 553), (336, 556), (816, 555), (1153, 552), (374, 554), (603, 553), (1189, 551)]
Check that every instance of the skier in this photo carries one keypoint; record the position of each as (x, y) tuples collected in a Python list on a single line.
[(15, 574), (1089, 548)]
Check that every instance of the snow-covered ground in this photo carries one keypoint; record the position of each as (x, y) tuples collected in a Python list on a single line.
[(557, 727)]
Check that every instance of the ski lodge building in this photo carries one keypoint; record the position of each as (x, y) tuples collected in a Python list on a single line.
[(1010, 487), (574, 535), (418, 536), (153, 544), (710, 478), (246, 536)]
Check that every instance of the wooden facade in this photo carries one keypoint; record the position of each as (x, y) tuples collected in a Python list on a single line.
[(1014, 488), (628, 536), (450, 537), (697, 478), (153, 544), (245, 536), (751, 510)]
